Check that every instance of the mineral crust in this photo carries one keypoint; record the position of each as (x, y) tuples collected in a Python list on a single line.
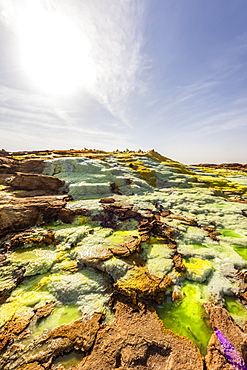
[(121, 260)]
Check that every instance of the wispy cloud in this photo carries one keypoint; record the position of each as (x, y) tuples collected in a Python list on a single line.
[(112, 31), (214, 103), (31, 121)]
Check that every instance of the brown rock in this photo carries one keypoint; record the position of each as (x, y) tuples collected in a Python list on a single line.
[(121, 211), (78, 335), (24, 213), (66, 215), (133, 246), (220, 319), (5, 168), (212, 233), (165, 213), (115, 188), (33, 366), (107, 200), (30, 166), (186, 221), (42, 239), (137, 340), (13, 278), (3, 153), (13, 327), (178, 263), (143, 285), (44, 310), (27, 181)]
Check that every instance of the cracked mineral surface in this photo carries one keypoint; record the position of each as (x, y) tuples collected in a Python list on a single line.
[(120, 260)]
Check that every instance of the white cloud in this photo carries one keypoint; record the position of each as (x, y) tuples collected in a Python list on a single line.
[(113, 31)]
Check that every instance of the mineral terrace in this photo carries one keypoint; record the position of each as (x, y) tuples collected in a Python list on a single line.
[(121, 260)]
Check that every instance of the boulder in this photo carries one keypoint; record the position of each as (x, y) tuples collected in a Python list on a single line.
[(28, 181)]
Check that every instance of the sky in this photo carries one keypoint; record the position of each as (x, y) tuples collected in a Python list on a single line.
[(169, 75)]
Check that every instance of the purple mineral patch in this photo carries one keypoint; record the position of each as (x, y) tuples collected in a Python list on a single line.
[(231, 354)]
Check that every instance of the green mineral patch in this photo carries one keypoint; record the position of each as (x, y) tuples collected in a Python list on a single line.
[(69, 360), (30, 292), (143, 171), (86, 289), (235, 309), (241, 250), (30, 254), (229, 233), (121, 237), (188, 317), (59, 316), (219, 180), (158, 257), (59, 225), (36, 261), (198, 246)]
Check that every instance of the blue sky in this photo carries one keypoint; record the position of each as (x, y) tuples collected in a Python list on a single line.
[(115, 74)]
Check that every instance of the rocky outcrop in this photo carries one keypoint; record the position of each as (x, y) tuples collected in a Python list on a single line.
[(13, 328), (79, 335), (137, 340), (44, 310), (220, 319), (42, 183), (141, 284), (29, 237), (24, 213)]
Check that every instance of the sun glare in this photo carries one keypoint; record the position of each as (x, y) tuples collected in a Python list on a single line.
[(54, 53)]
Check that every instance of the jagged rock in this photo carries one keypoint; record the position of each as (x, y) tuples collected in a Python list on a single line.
[(178, 263), (30, 237), (115, 188), (137, 340), (24, 213), (220, 319), (6, 169), (107, 200), (78, 335), (212, 233), (165, 213), (30, 166), (27, 181), (44, 310), (13, 328), (140, 284), (121, 211), (153, 226), (3, 153)]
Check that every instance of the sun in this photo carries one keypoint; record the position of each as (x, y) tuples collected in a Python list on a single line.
[(54, 53)]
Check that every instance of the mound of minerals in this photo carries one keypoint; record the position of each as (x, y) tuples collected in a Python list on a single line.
[(121, 260)]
